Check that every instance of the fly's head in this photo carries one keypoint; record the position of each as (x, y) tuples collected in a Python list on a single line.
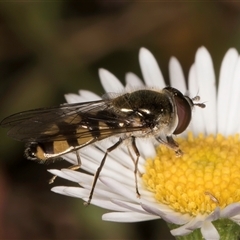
[(182, 106)]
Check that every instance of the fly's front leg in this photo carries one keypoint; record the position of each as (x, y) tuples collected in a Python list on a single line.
[(135, 149), (172, 144), (96, 176), (73, 167)]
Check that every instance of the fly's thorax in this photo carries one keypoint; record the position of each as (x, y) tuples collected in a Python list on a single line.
[(154, 110)]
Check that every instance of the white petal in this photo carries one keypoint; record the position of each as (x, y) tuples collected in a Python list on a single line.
[(129, 206), (181, 231), (225, 87), (154, 205), (73, 98), (126, 191), (127, 217), (188, 227), (173, 217), (209, 232), (61, 174), (84, 194), (74, 176), (133, 82), (83, 179), (150, 69), (124, 176), (107, 204), (88, 95), (197, 124), (109, 82), (236, 219), (120, 154), (111, 169), (214, 215), (231, 210), (234, 102), (177, 79), (71, 157), (121, 168), (79, 192), (207, 88), (76, 192), (59, 190), (146, 148)]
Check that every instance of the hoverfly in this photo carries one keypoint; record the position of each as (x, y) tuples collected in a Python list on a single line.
[(52, 132)]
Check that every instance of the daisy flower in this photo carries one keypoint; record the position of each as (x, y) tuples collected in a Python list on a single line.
[(197, 194)]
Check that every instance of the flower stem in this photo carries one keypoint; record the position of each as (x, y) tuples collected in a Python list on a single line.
[(227, 229)]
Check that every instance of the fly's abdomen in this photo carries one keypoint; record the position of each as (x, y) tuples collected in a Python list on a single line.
[(47, 150)]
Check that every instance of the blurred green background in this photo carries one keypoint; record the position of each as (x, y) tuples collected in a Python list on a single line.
[(49, 48)]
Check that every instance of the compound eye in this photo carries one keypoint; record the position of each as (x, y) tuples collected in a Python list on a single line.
[(184, 112)]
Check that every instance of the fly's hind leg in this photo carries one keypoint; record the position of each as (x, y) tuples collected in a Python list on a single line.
[(96, 176), (73, 167), (135, 149)]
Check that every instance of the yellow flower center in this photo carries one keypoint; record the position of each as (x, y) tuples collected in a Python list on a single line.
[(206, 176)]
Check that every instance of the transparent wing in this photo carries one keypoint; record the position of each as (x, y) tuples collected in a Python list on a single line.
[(66, 122)]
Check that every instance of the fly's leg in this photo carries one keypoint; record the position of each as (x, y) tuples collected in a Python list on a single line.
[(73, 167), (172, 144), (96, 176), (135, 149), (133, 160)]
